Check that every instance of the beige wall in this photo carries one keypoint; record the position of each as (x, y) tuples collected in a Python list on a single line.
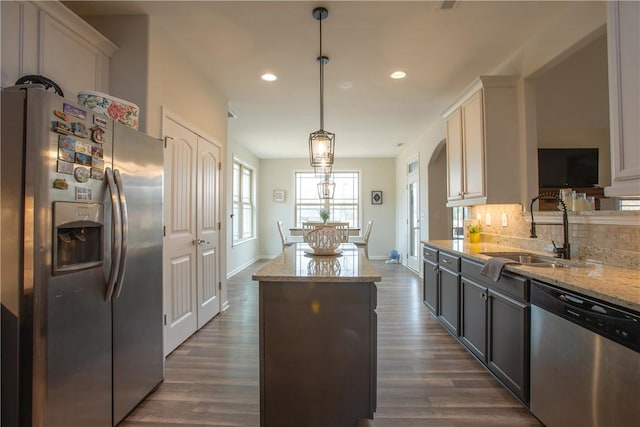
[(176, 84), (572, 105), (129, 66), (376, 174), (439, 216)]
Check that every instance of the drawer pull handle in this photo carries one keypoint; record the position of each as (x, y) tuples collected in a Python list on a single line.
[(446, 261)]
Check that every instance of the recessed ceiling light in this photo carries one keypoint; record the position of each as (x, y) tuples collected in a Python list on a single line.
[(268, 77), (398, 75)]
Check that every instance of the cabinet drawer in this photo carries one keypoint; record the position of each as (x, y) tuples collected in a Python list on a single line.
[(430, 254), (510, 284), (449, 261)]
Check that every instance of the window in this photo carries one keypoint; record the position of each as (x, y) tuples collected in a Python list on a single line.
[(629, 204), (345, 205), (243, 203), (459, 215)]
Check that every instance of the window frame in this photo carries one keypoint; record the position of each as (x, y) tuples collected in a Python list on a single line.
[(628, 204), (458, 215), (327, 203), (243, 203)]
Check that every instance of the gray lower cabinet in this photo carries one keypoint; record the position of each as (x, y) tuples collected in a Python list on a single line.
[(449, 291), (508, 342), (430, 279), (494, 324), (491, 319), (473, 317)]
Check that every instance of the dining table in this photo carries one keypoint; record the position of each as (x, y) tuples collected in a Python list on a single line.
[(298, 231)]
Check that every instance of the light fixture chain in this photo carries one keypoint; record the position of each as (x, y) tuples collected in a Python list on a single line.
[(321, 79)]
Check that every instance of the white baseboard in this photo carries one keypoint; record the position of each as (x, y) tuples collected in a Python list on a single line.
[(242, 267)]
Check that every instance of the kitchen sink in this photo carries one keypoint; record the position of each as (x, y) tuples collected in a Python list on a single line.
[(534, 260)]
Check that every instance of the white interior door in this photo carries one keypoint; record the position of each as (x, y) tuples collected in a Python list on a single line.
[(179, 249), (413, 219), (208, 207)]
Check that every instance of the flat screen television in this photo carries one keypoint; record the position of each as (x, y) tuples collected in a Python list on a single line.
[(567, 167)]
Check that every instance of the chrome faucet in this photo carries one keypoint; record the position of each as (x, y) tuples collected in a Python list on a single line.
[(565, 251)]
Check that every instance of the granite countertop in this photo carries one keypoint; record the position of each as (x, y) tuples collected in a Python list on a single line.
[(297, 264), (619, 286)]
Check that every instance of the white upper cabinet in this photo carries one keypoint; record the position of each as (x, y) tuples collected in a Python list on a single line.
[(623, 37), (46, 38), (482, 144)]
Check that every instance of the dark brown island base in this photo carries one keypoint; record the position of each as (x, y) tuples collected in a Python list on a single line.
[(318, 344)]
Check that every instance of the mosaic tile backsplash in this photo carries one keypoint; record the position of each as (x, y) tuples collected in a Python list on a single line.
[(617, 245)]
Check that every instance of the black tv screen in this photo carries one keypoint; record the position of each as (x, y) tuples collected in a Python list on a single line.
[(567, 167)]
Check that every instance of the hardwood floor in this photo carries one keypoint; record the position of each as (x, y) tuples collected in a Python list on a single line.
[(425, 378)]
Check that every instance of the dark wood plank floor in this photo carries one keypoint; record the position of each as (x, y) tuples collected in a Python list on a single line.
[(425, 378)]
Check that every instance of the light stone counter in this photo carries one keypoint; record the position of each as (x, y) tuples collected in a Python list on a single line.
[(296, 264), (620, 286)]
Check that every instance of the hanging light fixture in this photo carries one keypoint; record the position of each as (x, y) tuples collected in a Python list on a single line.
[(322, 171), (326, 187), (321, 142)]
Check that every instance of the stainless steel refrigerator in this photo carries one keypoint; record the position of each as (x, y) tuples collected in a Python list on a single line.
[(81, 263)]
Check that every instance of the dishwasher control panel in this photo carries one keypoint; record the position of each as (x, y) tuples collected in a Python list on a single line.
[(615, 323)]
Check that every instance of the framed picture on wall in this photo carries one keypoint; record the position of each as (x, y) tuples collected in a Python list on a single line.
[(278, 196), (376, 197)]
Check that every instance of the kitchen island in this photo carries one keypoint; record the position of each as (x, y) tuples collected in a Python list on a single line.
[(318, 342)]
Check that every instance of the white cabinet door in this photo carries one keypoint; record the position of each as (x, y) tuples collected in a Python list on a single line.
[(454, 156), (47, 38), (482, 135), (473, 147), (79, 69), (179, 246), (208, 212), (624, 97)]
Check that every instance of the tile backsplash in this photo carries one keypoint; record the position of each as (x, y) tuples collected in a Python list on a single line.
[(617, 245)]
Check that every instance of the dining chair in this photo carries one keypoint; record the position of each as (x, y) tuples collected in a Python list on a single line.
[(343, 228), (283, 236), (363, 242)]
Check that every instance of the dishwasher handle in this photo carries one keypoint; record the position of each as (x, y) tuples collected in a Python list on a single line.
[(585, 305)]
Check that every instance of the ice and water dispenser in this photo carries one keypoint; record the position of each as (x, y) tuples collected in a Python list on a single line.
[(77, 236)]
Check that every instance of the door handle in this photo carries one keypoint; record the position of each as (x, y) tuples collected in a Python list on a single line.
[(198, 242), (124, 217), (116, 235)]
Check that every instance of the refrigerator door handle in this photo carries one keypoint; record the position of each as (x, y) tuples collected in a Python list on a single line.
[(125, 232), (116, 235)]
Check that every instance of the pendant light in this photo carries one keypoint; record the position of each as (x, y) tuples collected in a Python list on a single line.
[(321, 142), (326, 188), (322, 171)]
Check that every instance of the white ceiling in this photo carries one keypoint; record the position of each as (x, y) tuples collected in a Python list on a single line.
[(441, 51)]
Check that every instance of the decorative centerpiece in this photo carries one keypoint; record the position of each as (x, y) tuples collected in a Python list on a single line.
[(324, 215), (324, 240), (474, 233)]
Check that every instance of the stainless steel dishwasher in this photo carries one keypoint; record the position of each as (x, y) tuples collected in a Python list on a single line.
[(585, 361)]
